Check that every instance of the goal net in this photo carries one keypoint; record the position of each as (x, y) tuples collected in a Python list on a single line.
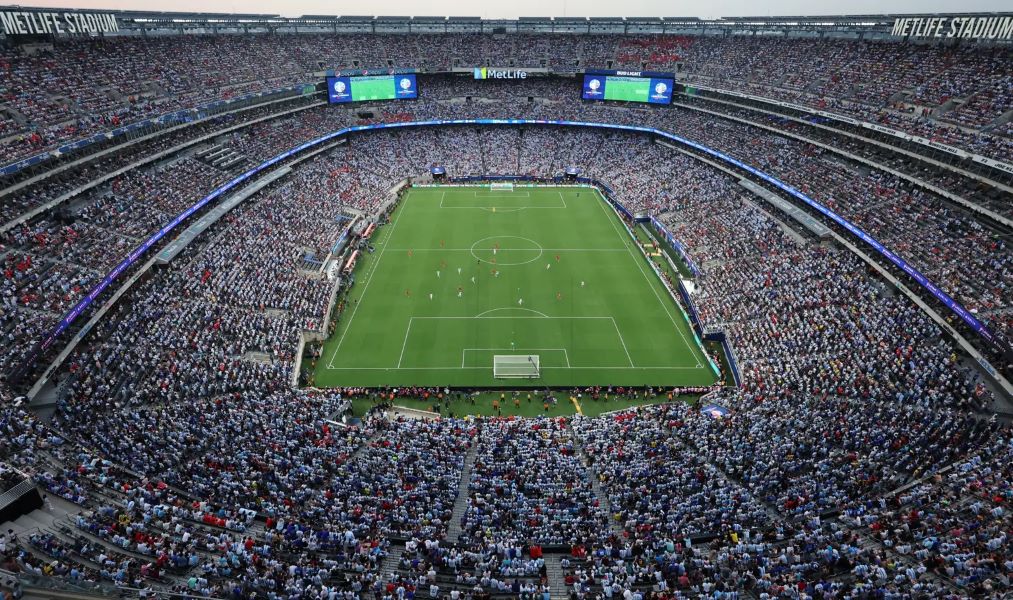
[(515, 366), (507, 186)]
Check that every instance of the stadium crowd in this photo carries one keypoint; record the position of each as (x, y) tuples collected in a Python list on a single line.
[(956, 95), (857, 458), (529, 483), (848, 393)]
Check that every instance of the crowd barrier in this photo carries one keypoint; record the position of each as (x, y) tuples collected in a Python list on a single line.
[(733, 359), (20, 499), (676, 244), (693, 312)]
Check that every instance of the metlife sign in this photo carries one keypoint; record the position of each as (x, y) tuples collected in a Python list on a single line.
[(490, 73), (974, 28), (56, 23)]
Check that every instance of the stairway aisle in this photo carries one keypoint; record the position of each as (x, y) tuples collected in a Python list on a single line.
[(554, 573), (461, 503), (599, 491), (390, 562)]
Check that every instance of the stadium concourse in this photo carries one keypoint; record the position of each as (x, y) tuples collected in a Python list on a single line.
[(863, 455)]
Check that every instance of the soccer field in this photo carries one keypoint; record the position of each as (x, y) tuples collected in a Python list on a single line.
[(462, 274)]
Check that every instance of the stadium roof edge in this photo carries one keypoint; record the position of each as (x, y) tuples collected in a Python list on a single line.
[(866, 16), (138, 22), (770, 19)]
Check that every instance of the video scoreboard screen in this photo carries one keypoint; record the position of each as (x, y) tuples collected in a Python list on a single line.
[(372, 87), (654, 90)]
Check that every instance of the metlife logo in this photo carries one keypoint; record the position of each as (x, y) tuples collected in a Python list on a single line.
[(487, 73)]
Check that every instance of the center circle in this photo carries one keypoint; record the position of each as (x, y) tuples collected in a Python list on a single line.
[(506, 250)]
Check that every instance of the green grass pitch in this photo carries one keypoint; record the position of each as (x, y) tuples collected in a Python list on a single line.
[(465, 273)]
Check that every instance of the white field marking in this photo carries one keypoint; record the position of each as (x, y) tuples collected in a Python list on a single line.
[(623, 342), (510, 249), (542, 317), (516, 209), (464, 353), (456, 368), (482, 314), (637, 260), (502, 208), (478, 194), (541, 250), (362, 296), (405, 343)]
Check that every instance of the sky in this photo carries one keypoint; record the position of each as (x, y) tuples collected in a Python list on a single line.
[(542, 8)]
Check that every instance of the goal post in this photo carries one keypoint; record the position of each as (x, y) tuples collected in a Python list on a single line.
[(502, 185), (515, 366)]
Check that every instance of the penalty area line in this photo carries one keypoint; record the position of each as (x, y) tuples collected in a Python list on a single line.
[(510, 249), (405, 344), (622, 341), (456, 368)]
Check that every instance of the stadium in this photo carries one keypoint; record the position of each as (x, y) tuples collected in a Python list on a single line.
[(457, 307)]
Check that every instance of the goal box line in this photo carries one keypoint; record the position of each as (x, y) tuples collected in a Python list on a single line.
[(523, 351), (412, 329), (516, 366), (501, 194), (448, 199)]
